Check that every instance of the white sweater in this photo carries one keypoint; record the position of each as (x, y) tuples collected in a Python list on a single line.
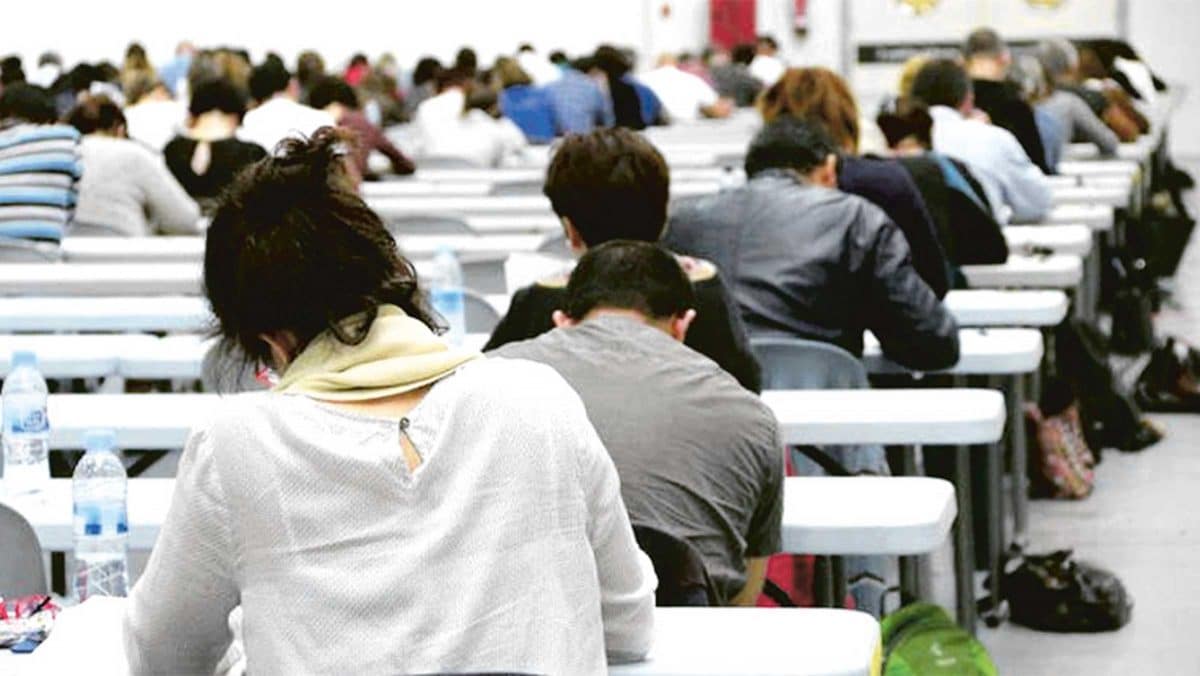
[(508, 549)]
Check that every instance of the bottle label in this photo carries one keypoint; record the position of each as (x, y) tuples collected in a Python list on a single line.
[(25, 417), (96, 519)]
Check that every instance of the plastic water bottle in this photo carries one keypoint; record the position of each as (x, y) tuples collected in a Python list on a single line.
[(26, 433), (446, 293), (101, 528)]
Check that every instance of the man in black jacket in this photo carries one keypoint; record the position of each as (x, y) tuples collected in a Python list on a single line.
[(806, 260), (612, 184), (987, 61)]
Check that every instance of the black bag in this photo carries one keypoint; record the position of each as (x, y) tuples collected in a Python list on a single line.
[(1054, 592), (1170, 382), (1132, 321)]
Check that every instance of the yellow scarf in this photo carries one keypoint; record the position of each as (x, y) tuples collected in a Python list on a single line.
[(399, 354)]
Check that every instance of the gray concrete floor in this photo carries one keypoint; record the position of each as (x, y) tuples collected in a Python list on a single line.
[(1143, 523)]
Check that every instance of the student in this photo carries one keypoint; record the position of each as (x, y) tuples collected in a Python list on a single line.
[(1016, 188), (277, 114), (39, 171), (820, 94), (310, 69), (685, 96), (578, 102), (335, 97), (152, 116), (731, 75), (530, 108), (988, 61), (392, 505), (1060, 62), (126, 189), (716, 482), (206, 158), (613, 184), (463, 122), (767, 67), (806, 260)]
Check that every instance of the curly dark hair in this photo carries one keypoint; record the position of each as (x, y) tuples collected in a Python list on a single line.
[(293, 248)]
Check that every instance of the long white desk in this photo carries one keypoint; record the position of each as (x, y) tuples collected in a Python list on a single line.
[(1027, 272), (929, 416), (687, 642), (67, 356), (1088, 169), (99, 279), (991, 351), (1098, 217), (1137, 151), (1070, 240), (69, 313), (1091, 195), (988, 307)]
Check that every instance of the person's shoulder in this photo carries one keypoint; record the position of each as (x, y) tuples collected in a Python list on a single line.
[(512, 386)]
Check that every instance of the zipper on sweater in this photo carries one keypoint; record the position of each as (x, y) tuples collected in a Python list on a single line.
[(408, 447)]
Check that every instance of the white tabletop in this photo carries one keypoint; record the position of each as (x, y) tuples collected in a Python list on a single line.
[(1091, 194), (389, 206), (1136, 152), (894, 516), (156, 313), (990, 307), (1027, 272), (68, 356), (50, 512), (687, 642), (928, 416), (1091, 168), (99, 279), (493, 177), (729, 641), (1071, 240), (991, 351), (1095, 216), (901, 417)]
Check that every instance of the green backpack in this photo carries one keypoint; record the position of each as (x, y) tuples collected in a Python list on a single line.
[(920, 639)]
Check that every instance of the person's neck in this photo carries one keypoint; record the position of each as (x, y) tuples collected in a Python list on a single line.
[(992, 70), (211, 127), (627, 314)]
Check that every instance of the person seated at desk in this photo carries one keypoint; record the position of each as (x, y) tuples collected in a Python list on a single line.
[(685, 96), (613, 184), (822, 95), (579, 104), (808, 261), (126, 189), (528, 106), (1060, 62), (715, 482), (277, 114), (463, 122), (392, 505), (1016, 189), (987, 61), (206, 158), (335, 97), (152, 115)]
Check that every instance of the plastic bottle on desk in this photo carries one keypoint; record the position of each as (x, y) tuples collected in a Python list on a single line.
[(26, 432), (446, 293), (101, 527)]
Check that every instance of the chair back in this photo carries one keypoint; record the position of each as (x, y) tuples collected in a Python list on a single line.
[(481, 316), (22, 571), (798, 364), (682, 578)]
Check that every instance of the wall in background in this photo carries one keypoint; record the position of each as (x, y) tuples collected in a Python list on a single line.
[(1163, 32)]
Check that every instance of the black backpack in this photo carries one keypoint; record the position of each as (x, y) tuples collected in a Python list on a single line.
[(1054, 592)]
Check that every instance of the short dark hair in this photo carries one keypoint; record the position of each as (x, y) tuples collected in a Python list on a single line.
[(96, 113), (767, 41), (218, 94), (11, 71), (292, 247), (426, 70), (329, 90), (27, 103), (466, 60), (558, 57), (612, 184), (942, 82), (743, 54), (789, 143), (268, 78), (983, 42), (627, 275)]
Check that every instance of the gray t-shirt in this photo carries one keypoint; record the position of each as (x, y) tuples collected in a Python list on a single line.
[(698, 456)]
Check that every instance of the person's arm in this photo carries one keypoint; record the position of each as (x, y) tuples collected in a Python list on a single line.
[(377, 140), (756, 575), (765, 534), (176, 620), (1026, 189), (719, 333), (625, 573), (1091, 128), (913, 327), (168, 205)]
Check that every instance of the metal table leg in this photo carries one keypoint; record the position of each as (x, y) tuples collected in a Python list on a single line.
[(964, 540), (837, 574), (1020, 491), (910, 566)]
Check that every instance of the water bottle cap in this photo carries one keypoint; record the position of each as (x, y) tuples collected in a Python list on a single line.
[(99, 440), (24, 358)]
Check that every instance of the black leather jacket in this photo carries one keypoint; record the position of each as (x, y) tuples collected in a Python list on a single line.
[(817, 263)]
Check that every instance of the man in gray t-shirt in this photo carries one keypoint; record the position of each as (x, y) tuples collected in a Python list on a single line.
[(699, 457)]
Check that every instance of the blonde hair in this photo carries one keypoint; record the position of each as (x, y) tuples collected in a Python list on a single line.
[(908, 74), (814, 94)]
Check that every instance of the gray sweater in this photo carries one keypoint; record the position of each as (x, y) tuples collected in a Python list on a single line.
[(126, 190), (1079, 122)]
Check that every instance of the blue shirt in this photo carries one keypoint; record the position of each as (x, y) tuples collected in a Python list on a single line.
[(579, 105), (651, 105), (531, 109)]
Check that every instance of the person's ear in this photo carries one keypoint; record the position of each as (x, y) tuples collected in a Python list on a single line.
[(574, 239), (561, 320), (282, 345), (680, 325), (825, 174)]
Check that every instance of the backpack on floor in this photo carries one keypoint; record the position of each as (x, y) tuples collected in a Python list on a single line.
[(1054, 592), (1060, 460), (920, 639)]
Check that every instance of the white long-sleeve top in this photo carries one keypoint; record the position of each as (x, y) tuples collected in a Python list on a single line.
[(1016, 188), (507, 549)]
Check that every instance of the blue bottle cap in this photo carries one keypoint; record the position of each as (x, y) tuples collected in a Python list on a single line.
[(99, 440), (24, 358)]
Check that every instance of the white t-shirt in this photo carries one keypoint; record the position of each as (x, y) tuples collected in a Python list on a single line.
[(155, 123), (444, 131), (279, 118), (682, 94), (768, 69)]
